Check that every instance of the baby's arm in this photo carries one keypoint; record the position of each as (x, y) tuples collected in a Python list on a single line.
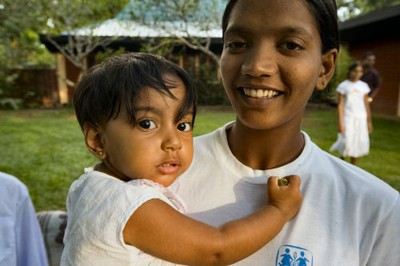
[(159, 230)]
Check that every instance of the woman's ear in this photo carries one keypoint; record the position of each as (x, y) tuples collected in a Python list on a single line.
[(93, 141), (327, 68)]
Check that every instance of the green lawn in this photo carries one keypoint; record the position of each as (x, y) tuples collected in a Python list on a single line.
[(45, 149)]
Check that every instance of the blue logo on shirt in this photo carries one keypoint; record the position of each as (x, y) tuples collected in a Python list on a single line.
[(289, 255)]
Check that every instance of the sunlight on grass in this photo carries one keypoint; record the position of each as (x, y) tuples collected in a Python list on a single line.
[(45, 148)]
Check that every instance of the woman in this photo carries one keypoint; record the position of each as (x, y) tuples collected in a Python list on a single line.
[(276, 52)]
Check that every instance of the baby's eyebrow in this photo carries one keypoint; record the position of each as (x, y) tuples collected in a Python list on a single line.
[(148, 109)]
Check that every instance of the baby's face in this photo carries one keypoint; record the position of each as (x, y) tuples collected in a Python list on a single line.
[(159, 147)]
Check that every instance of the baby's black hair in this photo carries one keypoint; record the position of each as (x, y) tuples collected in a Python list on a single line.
[(114, 85)]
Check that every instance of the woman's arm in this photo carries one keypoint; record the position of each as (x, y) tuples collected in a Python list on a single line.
[(161, 231)]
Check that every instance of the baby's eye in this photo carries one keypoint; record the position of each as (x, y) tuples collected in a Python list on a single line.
[(185, 126), (147, 124)]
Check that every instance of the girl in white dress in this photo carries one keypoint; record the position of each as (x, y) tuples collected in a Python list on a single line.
[(354, 115)]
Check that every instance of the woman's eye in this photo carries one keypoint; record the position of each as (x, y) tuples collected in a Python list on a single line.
[(186, 126), (236, 45), (147, 124), (292, 46)]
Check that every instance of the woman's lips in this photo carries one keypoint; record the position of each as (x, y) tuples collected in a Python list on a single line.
[(260, 93)]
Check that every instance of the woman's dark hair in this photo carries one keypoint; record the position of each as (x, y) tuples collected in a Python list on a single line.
[(325, 13), (113, 87)]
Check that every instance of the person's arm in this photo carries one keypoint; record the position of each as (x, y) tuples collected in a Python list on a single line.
[(340, 107), (375, 86), (368, 109), (161, 231), (30, 247)]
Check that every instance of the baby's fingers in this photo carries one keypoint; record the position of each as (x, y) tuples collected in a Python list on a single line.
[(292, 180)]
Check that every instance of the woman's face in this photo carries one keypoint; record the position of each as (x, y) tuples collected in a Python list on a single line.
[(271, 61)]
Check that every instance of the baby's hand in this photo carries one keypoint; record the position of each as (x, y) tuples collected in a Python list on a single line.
[(285, 195)]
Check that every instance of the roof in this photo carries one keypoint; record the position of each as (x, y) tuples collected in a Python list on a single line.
[(144, 19), (128, 28), (379, 24)]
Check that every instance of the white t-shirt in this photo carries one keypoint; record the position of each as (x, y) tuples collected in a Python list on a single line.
[(348, 216), (98, 207), (354, 92)]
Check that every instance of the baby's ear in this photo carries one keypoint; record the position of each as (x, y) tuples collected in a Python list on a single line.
[(93, 141), (327, 70)]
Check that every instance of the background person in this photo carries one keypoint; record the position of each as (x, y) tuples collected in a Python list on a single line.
[(21, 241), (354, 115), (371, 75)]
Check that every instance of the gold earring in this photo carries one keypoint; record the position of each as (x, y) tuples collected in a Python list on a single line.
[(99, 151)]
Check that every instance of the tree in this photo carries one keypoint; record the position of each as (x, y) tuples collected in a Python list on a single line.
[(69, 18), (191, 23), (21, 21), (351, 8), (19, 47)]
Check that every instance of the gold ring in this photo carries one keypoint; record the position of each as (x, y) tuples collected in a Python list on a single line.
[(283, 182)]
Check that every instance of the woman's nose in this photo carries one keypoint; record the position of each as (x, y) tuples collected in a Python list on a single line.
[(261, 61)]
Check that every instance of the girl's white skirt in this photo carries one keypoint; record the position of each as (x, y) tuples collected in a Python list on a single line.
[(354, 142)]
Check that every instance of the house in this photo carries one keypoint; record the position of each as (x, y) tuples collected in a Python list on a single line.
[(377, 31), (130, 33)]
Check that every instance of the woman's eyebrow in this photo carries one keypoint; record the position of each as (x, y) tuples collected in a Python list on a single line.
[(236, 29), (297, 31), (241, 29)]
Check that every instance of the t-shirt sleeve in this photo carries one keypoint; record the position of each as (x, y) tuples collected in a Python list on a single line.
[(341, 88), (367, 89)]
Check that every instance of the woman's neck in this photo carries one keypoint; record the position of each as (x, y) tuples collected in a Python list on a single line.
[(265, 149)]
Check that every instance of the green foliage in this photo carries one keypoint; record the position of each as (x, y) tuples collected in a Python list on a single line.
[(209, 89), (355, 8), (20, 24), (66, 15), (211, 93), (106, 53), (329, 94)]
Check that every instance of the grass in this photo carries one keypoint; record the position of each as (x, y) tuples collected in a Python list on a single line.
[(45, 148)]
